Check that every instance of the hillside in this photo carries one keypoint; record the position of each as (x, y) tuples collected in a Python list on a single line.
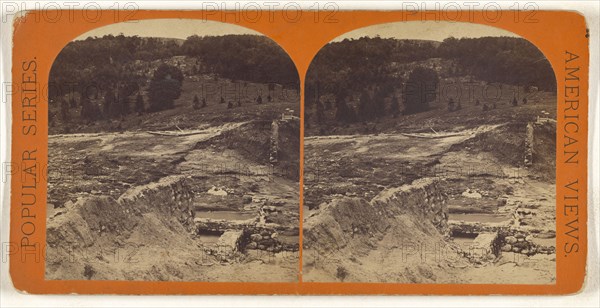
[(353, 82), (107, 83)]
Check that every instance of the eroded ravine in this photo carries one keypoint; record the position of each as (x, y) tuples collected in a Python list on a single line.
[(497, 217), (197, 218)]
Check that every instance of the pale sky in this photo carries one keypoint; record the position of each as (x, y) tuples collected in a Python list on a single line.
[(183, 28), (168, 28), (426, 30)]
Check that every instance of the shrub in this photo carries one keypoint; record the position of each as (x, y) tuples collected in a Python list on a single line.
[(165, 87), (420, 89)]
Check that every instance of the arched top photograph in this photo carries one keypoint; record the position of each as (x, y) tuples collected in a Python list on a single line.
[(438, 136), (182, 139)]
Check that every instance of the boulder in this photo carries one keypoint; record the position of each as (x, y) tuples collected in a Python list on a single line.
[(485, 240), (483, 247), (229, 242), (256, 237)]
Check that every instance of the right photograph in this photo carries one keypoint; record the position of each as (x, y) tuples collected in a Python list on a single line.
[(429, 157)]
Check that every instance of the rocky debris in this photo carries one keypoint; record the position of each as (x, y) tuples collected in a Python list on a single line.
[(471, 229), (257, 199), (247, 199), (242, 235), (547, 234), (217, 192), (505, 240), (520, 242), (268, 244), (471, 194), (268, 240), (211, 225), (345, 219), (254, 235)]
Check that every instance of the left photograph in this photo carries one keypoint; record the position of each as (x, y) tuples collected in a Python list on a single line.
[(173, 155)]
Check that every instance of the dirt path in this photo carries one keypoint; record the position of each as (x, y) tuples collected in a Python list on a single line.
[(141, 143)]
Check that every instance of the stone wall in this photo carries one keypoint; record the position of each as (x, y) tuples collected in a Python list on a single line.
[(529, 145), (508, 239), (171, 196), (253, 236)]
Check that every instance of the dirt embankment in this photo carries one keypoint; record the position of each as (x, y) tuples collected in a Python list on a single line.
[(99, 237), (253, 141), (352, 239), (544, 150)]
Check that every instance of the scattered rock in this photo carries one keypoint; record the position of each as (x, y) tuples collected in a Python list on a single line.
[(547, 234), (217, 192), (471, 194), (246, 199), (269, 209), (278, 203), (255, 237)]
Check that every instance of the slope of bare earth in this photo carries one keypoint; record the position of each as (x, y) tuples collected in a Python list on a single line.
[(499, 210), (126, 205)]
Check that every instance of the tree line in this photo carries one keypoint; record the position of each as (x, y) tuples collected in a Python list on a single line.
[(242, 57), (369, 70), (105, 61), (110, 73)]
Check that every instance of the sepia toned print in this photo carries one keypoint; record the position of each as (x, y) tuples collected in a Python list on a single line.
[(430, 157), (173, 154)]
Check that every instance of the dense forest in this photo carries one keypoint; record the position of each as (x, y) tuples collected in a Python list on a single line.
[(243, 57), (369, 70), (108, 61), (501, 59)]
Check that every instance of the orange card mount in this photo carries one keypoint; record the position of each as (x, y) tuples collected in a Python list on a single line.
[(356, 152)]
